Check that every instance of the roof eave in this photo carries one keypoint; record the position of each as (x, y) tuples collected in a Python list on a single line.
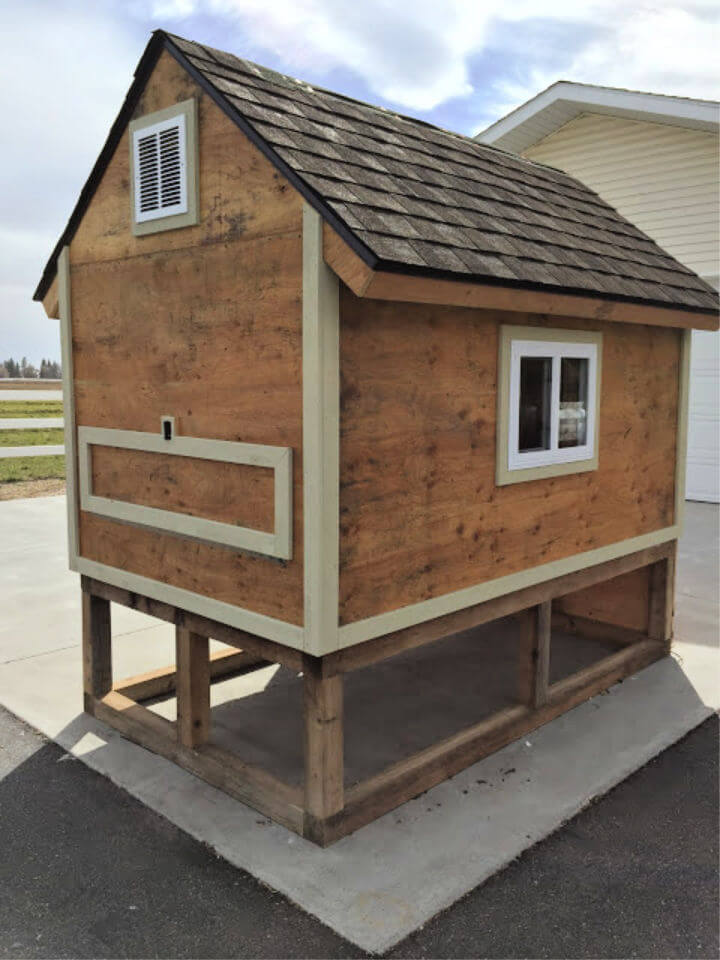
[(444, 287), (657, 108)]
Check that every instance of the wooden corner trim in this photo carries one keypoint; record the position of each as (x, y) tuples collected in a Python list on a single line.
[(411, 288), (321, 439)]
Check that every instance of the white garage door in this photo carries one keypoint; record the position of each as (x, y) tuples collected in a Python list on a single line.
[(703, 462)]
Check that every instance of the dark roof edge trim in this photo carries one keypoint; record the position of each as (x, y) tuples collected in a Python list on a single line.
[(391, 266), (142, 72), (303, 188), (159, 42)]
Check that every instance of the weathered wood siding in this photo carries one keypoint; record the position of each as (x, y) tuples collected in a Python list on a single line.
[(233, 493), (204, 324), (420, 515)]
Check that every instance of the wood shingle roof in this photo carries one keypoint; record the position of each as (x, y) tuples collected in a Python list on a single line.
[(413, 198)]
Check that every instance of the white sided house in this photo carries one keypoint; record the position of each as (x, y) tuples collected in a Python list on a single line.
[(655, 159)]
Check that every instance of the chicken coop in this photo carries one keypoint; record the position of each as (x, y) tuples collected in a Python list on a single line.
[(339, 388)]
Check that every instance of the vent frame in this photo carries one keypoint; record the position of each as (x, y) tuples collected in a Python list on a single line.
[(146, 132)]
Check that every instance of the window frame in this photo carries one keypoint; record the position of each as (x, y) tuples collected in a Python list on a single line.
[(160, 220), (514, 466)]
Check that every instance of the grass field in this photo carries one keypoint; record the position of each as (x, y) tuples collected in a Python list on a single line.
[(30, 438), (30, 408), (18, 469)]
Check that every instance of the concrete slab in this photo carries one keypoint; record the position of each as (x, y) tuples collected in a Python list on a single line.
[(40, 596), (389, 878)]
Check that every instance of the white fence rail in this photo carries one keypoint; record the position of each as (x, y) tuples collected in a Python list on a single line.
[(32, 423)]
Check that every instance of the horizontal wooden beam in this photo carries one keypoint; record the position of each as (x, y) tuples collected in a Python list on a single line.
[(162, 682), (232, 636), (372, 651), (408, 778), (246, 782), (411, 288)]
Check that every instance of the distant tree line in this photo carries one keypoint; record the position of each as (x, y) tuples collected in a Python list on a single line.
[(49, 369)]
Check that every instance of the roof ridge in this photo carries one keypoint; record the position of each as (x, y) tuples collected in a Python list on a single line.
[(464, 138)]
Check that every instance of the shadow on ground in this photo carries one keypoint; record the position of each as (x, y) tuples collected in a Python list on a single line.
[(87, 871)]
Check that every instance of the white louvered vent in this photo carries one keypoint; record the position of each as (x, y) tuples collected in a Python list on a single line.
[(159, 153)]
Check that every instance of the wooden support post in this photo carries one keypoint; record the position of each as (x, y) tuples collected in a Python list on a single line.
[(324, 762), (193, 687), (96, 649), (661, 600), (534, 661)]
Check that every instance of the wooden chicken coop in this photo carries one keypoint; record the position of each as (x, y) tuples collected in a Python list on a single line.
[(339, 384)]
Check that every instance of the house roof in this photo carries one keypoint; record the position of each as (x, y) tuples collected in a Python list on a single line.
[(409, 197), (561, 102)]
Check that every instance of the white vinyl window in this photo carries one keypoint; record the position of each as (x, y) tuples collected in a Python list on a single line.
[(160, 169), (552, 403)]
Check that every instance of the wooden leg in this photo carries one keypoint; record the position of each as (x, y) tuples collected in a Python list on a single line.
[(661, 600), (193, 687), (96, 649), (534, 665), (324, 766)]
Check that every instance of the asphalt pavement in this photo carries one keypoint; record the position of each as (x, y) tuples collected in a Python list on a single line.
[(88, 871)]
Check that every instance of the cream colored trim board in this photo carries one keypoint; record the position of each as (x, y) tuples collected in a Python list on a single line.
[(507, 334), (321, 440), (416, 613), (682, 428), (188, 108), (279, 459), (258, 623), (66, 356)]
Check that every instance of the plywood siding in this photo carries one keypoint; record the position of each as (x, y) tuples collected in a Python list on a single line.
[(665, 179), (623, 601), (233, 493), (420, 513), (204, 324)]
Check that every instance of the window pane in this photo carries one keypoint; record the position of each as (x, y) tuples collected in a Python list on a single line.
[(535, 393), (573, 401)]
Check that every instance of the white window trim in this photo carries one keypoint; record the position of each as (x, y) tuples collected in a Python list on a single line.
[(507, 335), (558, 351), (156, 128)]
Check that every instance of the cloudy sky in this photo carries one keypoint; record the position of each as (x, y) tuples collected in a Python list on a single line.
[(459, 63)]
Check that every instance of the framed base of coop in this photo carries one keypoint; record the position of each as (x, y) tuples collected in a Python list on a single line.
[(508, 665)]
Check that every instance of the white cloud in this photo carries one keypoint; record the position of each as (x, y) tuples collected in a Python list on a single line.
[(655, 47), (412, 54), (418, 54)]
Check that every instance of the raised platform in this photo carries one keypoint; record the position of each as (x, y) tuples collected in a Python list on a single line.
[(540, 660), (390, 877)]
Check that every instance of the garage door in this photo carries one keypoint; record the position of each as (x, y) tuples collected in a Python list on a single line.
[(703, 462)]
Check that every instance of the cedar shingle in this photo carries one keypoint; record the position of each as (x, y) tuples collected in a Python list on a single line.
[(419, 196)]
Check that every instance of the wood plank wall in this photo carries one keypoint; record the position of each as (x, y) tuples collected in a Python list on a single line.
[(420, 515), (204, 324), (234, 493)]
